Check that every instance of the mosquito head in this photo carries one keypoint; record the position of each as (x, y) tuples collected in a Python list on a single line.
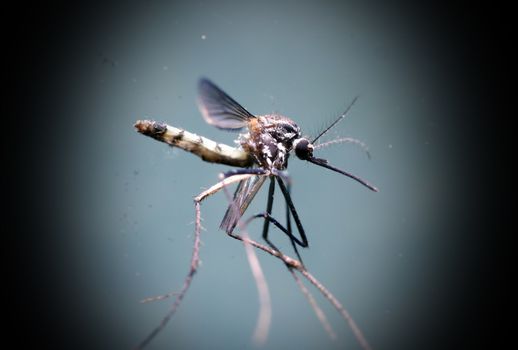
[(303, 148)]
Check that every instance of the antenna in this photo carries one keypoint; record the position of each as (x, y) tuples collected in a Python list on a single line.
[(336, 121)]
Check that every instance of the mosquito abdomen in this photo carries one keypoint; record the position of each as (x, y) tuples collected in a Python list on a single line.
[(203, 147)]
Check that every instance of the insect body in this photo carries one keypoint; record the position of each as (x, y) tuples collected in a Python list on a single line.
[(269, 139), (266, 142)]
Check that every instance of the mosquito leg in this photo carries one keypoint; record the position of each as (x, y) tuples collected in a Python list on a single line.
[(195, 258), (287, 180), (222, 184), (282, 177), (290, 263), (270, 219), (269, 206), (288, 218), (265, 311), (242, 195), (291, 207), (267, 215)]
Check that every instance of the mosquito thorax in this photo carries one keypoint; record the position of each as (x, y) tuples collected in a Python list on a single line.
[(270, 139), (303, 148)]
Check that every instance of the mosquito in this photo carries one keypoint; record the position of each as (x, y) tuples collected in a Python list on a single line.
[(265, 145), (270, 139)]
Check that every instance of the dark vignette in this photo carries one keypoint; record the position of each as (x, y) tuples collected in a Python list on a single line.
[(39, 33)]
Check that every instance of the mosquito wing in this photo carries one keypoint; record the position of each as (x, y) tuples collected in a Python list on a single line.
[(219, 109), (245, 192)]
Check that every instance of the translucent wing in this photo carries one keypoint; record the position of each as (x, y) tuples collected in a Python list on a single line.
[(245, 192), (219, 109)]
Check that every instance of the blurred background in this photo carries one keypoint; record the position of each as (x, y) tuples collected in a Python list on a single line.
[(105, 215)]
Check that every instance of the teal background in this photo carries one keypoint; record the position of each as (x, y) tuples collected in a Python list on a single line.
[(113, 211)]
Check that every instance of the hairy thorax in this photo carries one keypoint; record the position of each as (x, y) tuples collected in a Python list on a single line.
[(270, 139)]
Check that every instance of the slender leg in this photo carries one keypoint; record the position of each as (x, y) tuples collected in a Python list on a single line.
[(284, 176), (265, 310), (195, 259), (271, 219), (290, 210), (243, 195), (288, 224), (291, 207), (268, 218), (266, 215), (288, 217)]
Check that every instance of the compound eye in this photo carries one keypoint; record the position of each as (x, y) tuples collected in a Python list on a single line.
[(303, 149)]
